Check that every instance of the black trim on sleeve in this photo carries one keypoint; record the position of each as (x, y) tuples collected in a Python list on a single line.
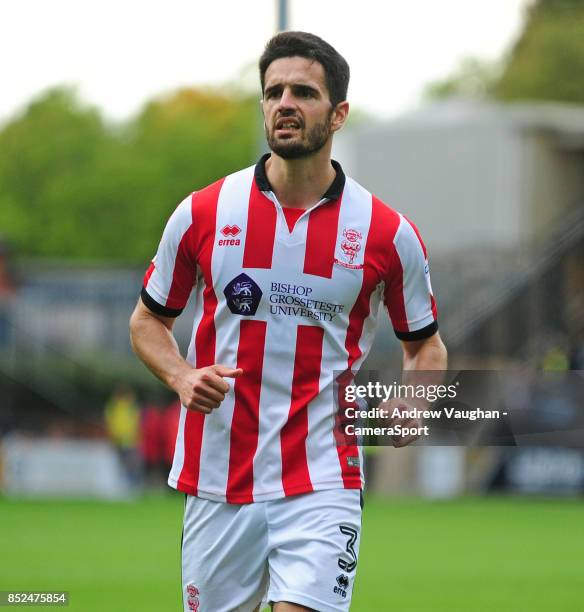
[(419, 334), (157, 308)]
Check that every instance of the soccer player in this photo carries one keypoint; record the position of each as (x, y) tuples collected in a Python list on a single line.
[(289, 260)]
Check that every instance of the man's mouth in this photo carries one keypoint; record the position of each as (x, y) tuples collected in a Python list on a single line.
[(286, 125)]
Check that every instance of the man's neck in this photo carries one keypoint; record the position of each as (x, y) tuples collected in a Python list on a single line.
[(300, 183)]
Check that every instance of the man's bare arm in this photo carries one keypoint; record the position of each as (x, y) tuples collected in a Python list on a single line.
[(152, 340), (422, 355), (424, 362), (200, 389)]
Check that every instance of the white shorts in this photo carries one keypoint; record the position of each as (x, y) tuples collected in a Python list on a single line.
[(302, 549)]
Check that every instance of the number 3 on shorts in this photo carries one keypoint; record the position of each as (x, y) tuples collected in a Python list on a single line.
[(349, 566)]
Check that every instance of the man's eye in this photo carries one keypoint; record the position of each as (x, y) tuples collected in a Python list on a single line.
[(270, 95)]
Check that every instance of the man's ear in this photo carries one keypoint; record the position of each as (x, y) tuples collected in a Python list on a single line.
[(340, 114), (263, 113)]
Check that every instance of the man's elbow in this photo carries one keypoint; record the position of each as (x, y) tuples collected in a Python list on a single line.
[(133, 329), (137, 324), (436, 350), (443, 354), (427, 354)]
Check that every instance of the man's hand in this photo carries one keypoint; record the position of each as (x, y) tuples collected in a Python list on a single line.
[(395, 407), (204, 389)]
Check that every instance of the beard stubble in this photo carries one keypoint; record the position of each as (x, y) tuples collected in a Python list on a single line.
[(315, 140)]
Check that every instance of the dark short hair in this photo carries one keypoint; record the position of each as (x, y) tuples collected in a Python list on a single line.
[(303, 44)]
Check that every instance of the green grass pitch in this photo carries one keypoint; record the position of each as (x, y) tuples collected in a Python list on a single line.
[(468, 554)]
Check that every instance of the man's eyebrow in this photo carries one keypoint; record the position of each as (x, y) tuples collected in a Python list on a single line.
[(305, 87), (302, 86)]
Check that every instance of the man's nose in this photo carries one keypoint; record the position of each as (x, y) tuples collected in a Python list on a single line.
[(287, 100)]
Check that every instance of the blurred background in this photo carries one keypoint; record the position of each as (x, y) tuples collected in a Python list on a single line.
[(466, 116)]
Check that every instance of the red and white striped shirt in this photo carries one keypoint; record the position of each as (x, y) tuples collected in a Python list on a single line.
[(289, 308)]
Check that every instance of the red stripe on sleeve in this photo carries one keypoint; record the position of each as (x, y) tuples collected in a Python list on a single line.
[(305, 387), (245, 423), (148, 274), (184, 273), (321, 239), (204, 207), (393, 295), (261, 230)]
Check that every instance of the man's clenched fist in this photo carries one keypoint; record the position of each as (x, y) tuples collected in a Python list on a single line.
[(397, 408), (204, 389)]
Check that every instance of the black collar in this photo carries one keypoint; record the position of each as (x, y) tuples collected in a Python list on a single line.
[(332, 193)]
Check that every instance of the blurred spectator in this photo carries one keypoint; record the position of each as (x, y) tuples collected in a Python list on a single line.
[(152, 444), (7, 290), (171, 417), (122, 420), (7, 284), (555, 360)]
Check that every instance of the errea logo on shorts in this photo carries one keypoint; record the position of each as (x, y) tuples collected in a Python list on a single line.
[(343, 585), (232, 231)]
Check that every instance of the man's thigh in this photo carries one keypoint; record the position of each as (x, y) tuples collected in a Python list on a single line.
[(313, 542), (224, 555)]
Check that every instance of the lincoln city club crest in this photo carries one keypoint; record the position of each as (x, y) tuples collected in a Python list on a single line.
[(192, 599), (350, 245)]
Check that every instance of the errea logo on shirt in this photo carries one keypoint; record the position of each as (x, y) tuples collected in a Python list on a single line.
[(230, 230)]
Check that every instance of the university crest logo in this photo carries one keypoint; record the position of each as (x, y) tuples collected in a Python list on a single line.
[(243, 295)]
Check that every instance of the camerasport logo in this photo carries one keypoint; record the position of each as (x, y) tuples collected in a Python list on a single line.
[(230, 232), (350, 246), (243, 295), (192, 597)]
